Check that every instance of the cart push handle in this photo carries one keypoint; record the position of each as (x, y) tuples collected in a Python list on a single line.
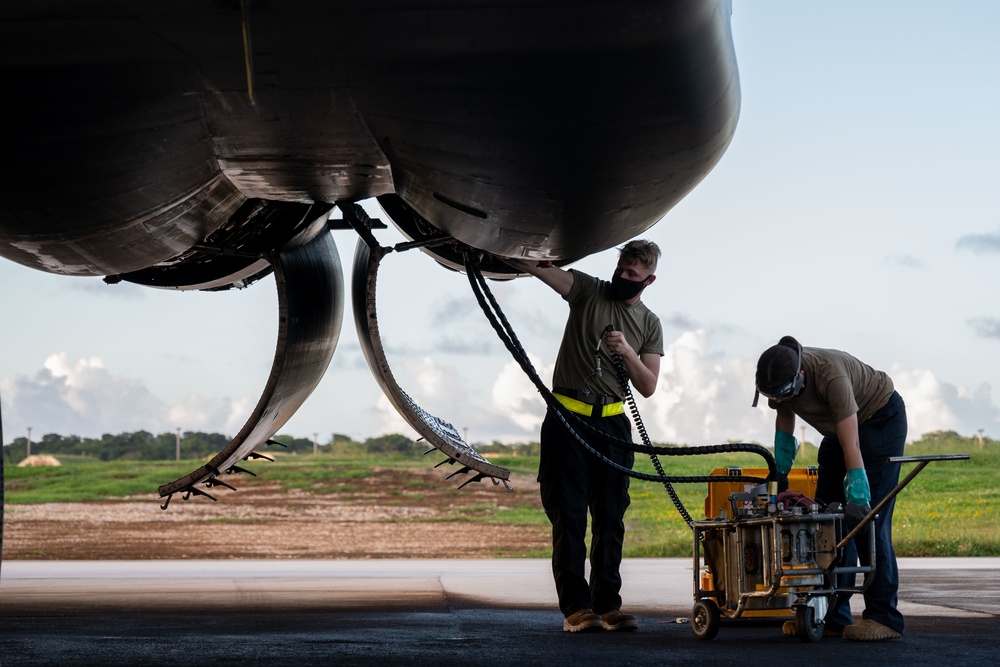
[(923, 461)]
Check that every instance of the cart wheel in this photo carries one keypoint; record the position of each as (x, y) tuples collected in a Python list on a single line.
[(705, 620), (806, 627)]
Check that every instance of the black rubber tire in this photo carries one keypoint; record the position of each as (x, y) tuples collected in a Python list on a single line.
[(705, 620), (806, 627)]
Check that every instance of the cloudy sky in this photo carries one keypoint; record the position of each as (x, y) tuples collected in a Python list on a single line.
[(856, 209)]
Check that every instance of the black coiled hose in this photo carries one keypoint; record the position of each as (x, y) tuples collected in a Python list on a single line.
[(623, 379)]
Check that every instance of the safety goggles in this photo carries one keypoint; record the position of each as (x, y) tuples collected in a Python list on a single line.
[(779, 393)]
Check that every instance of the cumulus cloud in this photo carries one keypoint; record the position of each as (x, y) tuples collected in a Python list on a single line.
[(987, 327), (388, 419), (83, 397), (927, 408), (932, 405), (195, 409), (516, 398), (703, 396), (448, 394), (906, 261), (981, 243)]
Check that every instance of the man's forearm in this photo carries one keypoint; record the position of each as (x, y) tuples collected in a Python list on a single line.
[(558, 279), (642, 376)]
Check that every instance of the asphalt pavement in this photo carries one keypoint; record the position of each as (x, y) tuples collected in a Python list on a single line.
[(438, 612)]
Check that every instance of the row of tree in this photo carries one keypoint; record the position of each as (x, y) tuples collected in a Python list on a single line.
[(144, 446)]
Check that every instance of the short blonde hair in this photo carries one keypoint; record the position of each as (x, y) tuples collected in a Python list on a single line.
[(641, 250)]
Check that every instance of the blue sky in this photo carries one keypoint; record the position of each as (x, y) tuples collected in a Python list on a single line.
[(855, 209)]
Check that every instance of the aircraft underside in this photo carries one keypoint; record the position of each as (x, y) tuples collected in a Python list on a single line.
[(194, 145)]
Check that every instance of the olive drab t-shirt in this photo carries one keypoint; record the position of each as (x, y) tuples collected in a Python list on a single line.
[(591, 309), (838, 386)]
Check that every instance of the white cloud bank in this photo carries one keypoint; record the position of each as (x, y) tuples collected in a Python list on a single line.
[(703, 397), (932, 405), (511, 412), (82, 397)]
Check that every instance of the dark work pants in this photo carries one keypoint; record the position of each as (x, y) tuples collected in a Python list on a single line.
[(882, 436), (573, 481)]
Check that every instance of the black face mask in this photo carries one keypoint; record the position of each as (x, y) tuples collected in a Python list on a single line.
[(623, 289)]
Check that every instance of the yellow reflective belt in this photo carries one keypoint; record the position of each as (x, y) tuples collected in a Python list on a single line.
[(586, 409)]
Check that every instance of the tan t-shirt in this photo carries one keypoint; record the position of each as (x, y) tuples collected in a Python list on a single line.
[(838, 386), (591, 309)]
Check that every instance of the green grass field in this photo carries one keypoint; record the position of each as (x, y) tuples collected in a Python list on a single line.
[(949, 509)]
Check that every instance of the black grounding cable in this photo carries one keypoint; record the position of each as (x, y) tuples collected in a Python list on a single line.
[(506, 334), (623, 380)]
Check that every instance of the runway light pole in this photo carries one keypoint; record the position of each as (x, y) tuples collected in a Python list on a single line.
[(29, 442), (315, 446), (178, 447)]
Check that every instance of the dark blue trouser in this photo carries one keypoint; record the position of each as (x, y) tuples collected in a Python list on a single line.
[(881, 436), (573, 481)]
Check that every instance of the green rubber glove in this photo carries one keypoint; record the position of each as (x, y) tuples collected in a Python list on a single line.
[(785, 449), (856, 487)]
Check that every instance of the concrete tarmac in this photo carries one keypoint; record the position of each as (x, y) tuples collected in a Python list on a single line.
[(438, 612)]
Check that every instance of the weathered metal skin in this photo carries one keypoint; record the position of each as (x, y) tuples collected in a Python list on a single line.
[(137, 130)]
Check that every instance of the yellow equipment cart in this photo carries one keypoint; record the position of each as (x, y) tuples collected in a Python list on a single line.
[(756, 559)]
